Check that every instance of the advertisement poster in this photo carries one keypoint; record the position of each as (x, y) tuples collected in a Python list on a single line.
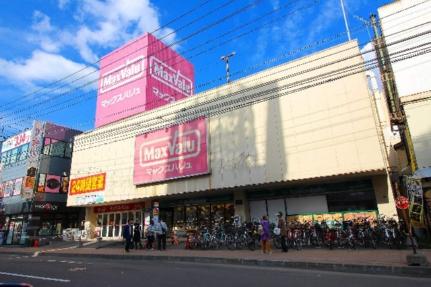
[(143, 74), (17, 187), (16, 141), (88, 190), (53, 183), (174, 152), (9, 188)]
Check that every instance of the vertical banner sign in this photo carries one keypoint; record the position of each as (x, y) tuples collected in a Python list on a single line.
[(142, 75), (174, 152), (416, 210)]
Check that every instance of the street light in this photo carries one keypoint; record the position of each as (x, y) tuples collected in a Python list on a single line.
[(226, 60)]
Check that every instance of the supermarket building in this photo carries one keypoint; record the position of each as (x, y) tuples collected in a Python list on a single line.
[(304, 137)]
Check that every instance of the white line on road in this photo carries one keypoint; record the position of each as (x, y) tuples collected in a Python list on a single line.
[(35, 277)]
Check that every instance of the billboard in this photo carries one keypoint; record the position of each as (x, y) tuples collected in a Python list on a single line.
[(174, 152), (16, 141), (88, 190), (142, 75)]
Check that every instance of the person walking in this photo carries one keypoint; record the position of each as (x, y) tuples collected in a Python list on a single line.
[(265, 236), (137, 236), (158, 233), (150, 235), (164, 228), (283, 231), (128, 235)]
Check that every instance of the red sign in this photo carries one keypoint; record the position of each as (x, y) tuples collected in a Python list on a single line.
[(174, 152), (119, 207), (402, 202)]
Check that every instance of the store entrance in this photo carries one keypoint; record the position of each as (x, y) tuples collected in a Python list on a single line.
[(112, 223)]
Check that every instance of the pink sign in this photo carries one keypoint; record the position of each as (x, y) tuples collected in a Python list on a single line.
[(140, 76), (52, 183), (177, 151)]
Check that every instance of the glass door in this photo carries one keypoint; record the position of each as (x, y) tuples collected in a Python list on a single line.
[(117, 226)]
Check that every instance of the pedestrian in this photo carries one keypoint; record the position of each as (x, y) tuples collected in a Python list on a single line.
[(150, 235), (128, 235), (137, 236), (283, 231), (164, 233), (158, 233), (265, 236)]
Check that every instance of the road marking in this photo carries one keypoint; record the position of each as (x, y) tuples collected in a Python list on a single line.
[(35, 277), (77, 269), (52, 260)]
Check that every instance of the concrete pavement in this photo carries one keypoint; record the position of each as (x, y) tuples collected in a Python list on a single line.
[(380, 261), (51, 270)]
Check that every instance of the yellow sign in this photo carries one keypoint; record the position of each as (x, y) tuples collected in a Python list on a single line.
[(87, 184)]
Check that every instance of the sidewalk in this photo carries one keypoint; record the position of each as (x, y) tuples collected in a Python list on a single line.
[(380, 261)]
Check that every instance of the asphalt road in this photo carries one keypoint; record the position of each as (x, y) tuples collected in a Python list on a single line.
[(55, 271)]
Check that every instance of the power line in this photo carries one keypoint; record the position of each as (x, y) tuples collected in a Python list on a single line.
[(186, 115), (203, 29), (95, 63), (57, 109), (337, 52), (93, 81)]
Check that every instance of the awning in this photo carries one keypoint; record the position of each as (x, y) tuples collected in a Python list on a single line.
[(424, 172)]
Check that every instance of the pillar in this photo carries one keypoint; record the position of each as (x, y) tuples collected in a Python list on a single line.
[(241, 205), (384, 195)]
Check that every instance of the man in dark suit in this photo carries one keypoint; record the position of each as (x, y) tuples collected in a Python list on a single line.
[(128, 235)]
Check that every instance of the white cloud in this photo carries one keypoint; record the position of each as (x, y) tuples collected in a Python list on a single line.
[(116, 21), (62, 4), (41, 67), (41, 22)]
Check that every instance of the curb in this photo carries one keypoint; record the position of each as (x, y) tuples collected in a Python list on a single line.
[(404, 271)]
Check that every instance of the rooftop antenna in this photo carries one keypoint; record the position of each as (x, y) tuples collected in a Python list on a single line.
[(226, 60)]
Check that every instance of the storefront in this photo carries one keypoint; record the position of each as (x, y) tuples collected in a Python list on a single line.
[(28, 221), (214, 155), (112, 218)]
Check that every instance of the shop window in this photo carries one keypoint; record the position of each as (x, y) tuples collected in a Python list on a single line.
[(117, 225), (191, 216), (204, 214), (179, 216), (351, 201), (217, 212), (229, 212)]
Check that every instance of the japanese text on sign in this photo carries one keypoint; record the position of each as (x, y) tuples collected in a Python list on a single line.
[(87, 184)]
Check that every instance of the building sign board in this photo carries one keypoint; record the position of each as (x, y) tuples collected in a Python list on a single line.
[(174, 152), (119, 207), (92, 183), (140, 76), (16, 141)]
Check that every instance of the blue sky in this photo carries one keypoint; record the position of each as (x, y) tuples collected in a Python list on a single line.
[(45, 40)]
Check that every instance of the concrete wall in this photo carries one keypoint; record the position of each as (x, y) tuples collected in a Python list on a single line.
[(418, 116), (309, 132), (384, 196)]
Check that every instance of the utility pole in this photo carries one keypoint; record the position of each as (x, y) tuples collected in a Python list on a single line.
[(397, 115), (226, 60), (345, 20)]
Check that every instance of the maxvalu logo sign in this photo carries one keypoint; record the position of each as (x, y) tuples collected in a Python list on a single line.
[(178, 151), (140, 76)]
